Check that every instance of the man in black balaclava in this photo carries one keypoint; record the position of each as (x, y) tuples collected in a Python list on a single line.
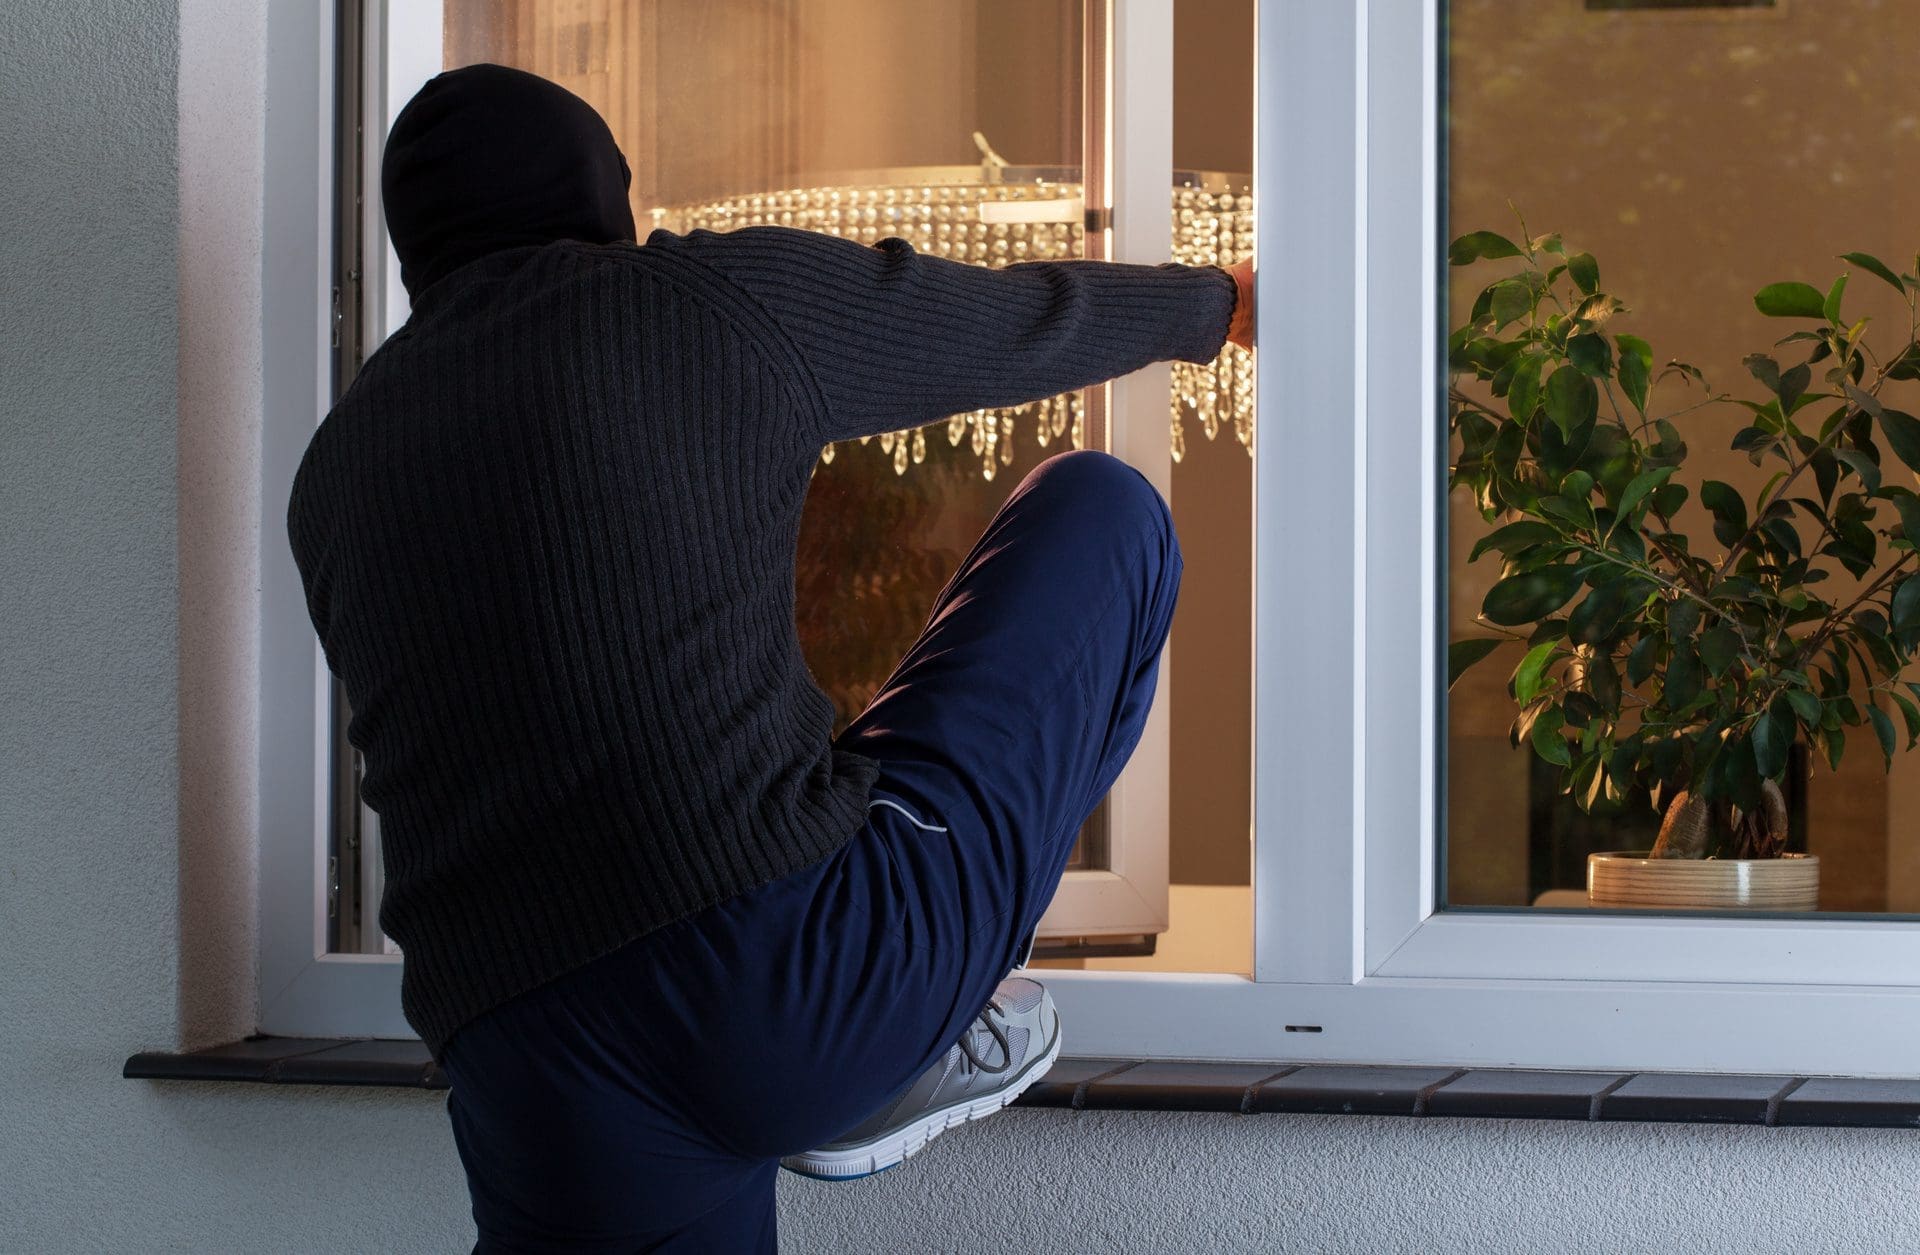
[(486, 158), (662, 931)]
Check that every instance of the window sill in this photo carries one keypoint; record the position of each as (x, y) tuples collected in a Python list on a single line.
[(1242, 1088)]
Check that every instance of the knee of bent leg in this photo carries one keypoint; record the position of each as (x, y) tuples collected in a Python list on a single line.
[(1106, 486)]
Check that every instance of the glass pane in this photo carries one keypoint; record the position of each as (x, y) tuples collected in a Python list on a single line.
[(959, 127), (1688, 155)]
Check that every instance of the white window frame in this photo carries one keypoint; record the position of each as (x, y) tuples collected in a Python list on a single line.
[(1351, 961), (1129, 895)]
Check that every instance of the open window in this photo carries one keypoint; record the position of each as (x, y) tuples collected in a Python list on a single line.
[(1394, 910), (990, 132)]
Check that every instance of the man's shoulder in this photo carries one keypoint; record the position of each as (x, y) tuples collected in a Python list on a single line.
[(699, 267)]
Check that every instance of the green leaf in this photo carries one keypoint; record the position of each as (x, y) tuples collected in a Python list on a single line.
[(1523, 392), (1865, 400), (1585, 272), (1789, 300), (1574, 510), (1860, 464), (1531, 595), (1642, 484), (1464, 653), (1641, 661), (1590, 355), (1826, 472), (1596, 618), (1546, 738), (1905, 363), (1908, 504), (1874, 266), (1561, 452), (1572, 400), (1683, 680), (1719, 646), (1806, 705), (1682, 617), (1883, 728), (1903, 433), (1636, 369), (1603, 681), (1910, 714), (1782, 533), (1511, 300), (1764, 369), (1481, 244), (1729, 510), (1836, 745), (1772, 738), (1831, 306), (1596, 309), (1754, 442), (1906, 604), (1793, 386), (1589, 782), (1741, 773), (1514, 537), (1530, 677)]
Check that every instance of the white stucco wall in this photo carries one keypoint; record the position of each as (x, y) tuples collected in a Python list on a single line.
[(130, 160)]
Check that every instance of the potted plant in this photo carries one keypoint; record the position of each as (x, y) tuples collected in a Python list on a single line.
[(1657, 666)]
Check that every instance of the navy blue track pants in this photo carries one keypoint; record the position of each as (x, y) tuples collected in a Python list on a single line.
[(642, 1102)]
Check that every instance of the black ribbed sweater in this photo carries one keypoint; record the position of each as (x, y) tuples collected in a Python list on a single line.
[(547, 538)]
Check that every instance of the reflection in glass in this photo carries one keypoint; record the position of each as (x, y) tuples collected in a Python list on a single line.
[(1698, 154)]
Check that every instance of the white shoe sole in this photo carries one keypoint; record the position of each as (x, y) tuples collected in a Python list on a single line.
[(909, 1139)]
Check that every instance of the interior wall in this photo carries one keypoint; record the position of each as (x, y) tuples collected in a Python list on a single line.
[(1699, 155), (837, 85), (1210, 646)]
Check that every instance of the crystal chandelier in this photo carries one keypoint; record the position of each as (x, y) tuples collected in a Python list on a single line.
[(994, 214)]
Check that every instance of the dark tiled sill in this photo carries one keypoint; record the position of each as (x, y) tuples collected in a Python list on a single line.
[(1242, 1088), (297, 1061)]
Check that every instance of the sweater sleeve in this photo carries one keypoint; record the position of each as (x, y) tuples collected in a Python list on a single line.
[(895, 338)]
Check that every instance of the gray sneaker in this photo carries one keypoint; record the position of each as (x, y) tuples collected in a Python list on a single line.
[(1007, 1048)]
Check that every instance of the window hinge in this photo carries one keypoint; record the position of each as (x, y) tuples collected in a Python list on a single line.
[(336, 316)]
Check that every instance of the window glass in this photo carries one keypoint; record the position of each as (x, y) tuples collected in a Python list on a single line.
[(962, 128), (1671, 169)]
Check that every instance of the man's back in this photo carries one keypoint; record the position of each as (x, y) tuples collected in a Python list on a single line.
[(548, 540), (565, 498)]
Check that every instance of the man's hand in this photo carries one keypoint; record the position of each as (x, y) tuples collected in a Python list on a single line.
[(1240, 328)]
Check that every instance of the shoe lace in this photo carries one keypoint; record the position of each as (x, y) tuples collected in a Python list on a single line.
[(999, 1034)]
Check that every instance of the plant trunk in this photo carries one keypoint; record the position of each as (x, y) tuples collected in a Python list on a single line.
[(1692, 827), (1687, 829)]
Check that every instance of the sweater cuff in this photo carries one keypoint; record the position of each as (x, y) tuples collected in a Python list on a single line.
[(1192, 307)]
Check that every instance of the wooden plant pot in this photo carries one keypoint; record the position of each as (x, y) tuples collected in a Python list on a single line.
[(1788, 883)]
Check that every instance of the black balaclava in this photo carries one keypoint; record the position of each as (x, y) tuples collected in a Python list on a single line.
[(485, 158)]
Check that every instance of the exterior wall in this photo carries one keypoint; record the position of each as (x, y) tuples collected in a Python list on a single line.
[(129, 411)]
